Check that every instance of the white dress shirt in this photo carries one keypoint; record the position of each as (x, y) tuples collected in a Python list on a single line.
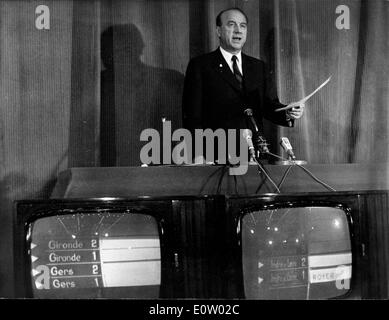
[(228, 57)]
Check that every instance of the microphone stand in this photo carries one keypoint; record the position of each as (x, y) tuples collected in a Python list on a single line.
[(290, 161)]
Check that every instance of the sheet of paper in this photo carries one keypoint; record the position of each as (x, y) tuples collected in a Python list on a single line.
[(303, 100)]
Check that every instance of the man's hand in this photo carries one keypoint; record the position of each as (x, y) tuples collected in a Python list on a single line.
[(295, 112)]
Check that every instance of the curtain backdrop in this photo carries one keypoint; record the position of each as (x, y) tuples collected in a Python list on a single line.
[(80, 93)]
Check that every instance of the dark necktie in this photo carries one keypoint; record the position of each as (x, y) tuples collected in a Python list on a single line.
[(237, 73)]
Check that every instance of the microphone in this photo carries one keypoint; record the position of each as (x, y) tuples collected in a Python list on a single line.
[(260, 142), (285, 144), (247, 135), (249, 113)]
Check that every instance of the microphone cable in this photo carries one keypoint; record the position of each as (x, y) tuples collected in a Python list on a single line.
[(284, 176), (247, 135), (260, 166), (328, 187)]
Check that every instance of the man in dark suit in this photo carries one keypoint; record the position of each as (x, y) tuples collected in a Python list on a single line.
[(221, 85)]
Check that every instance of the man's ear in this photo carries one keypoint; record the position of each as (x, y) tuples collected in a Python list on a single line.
[(218, 31)]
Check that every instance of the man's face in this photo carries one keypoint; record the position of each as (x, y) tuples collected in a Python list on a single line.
[(233, 31)]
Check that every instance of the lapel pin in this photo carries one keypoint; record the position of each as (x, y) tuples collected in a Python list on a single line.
[(220, 65)]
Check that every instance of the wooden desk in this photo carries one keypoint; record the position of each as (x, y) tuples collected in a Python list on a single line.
[(202, 180)]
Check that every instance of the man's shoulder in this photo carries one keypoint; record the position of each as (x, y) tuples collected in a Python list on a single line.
[(252, 59), (203, 62)]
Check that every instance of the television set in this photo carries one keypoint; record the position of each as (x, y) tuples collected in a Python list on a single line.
[(112, 247), (302, 246), (327, 245)]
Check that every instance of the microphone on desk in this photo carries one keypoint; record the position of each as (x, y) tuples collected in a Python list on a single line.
[(260, 142), (285, 144), (247, 135)]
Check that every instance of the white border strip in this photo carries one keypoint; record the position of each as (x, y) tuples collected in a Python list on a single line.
[(329, 260)]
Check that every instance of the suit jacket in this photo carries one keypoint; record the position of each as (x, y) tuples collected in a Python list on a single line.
[(212, 97)]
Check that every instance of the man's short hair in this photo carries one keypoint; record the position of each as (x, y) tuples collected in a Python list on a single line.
[(219, 16)]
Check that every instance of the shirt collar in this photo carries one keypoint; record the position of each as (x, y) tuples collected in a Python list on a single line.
[(227, 55)]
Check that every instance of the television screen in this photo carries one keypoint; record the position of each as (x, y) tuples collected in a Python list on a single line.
[(142, 248), (70, 253), (296, 252), (94, 248)]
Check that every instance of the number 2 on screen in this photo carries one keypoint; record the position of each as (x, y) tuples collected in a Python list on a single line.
[(95, 269)]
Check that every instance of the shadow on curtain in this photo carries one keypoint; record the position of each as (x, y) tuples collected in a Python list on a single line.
[(134, 96)]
